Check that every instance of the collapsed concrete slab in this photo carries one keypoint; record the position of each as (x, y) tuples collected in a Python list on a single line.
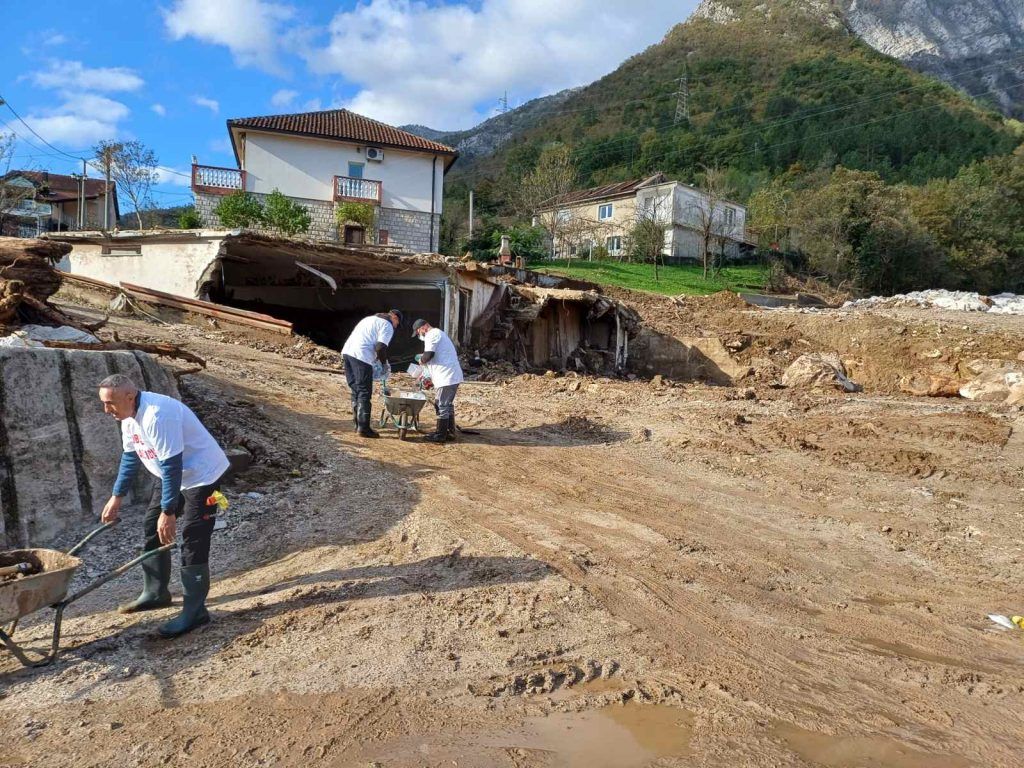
[(58, 451)]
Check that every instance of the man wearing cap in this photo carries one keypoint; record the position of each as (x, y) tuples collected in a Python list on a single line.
[(442, 363), (367, 343)]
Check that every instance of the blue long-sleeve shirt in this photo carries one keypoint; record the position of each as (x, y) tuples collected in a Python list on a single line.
[(170, 478)]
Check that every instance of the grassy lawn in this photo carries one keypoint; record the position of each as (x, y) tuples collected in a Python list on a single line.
[(674, 279)]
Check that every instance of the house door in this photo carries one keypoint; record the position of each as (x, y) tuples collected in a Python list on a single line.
[(354, 235)]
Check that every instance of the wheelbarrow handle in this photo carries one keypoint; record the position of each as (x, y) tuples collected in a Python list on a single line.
[(92, 534), (117, 572)]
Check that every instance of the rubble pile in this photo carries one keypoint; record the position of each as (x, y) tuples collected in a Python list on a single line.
[(960, 301), (28, 279)]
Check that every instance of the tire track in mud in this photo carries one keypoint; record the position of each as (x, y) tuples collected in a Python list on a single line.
[(756, 660)]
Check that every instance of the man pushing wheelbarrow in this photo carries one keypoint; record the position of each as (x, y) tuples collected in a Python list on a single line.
[(165, 436)]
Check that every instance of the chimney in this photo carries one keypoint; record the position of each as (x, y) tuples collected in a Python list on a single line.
[(505, 252)]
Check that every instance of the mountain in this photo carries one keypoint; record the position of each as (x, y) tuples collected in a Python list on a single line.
[(489, 136), (767, 86), (977, 45)]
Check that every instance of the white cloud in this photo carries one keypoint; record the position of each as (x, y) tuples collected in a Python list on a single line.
[(223, 146), (55, 39), (248, 28), (313, 105), (160, 109), (210, 104), (283, 99), (174, 176), (74, 76), (81, 120), (446, 65)]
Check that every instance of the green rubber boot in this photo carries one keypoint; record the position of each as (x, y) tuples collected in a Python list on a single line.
[(195, 583), (156, 575)]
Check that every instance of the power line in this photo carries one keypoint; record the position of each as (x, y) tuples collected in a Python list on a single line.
[(609, 147)]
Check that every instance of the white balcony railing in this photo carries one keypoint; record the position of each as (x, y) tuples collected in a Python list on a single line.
[(361, 190), (217, 181)]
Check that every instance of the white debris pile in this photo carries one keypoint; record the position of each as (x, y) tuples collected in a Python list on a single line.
[(961, 301), (34, 335)]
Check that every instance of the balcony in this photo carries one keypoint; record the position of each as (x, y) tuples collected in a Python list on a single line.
[(348, 188), (214, 180)]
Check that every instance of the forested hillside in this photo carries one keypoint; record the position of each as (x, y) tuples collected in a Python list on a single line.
[(778, 95)]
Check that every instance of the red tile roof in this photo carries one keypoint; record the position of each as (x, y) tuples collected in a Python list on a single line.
[(55, 187), (340, 124), (608, 191)]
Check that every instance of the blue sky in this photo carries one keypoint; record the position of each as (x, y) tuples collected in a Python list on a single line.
[(170, 73)]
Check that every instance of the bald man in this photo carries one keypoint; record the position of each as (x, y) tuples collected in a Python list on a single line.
[(165, 436)]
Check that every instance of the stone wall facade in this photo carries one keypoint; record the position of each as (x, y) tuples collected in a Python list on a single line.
[(410, 229)]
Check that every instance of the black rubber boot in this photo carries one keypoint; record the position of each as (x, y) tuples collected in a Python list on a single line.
[(355, 419), (156, 576), (195, 584), (363, 420), (440, 435)]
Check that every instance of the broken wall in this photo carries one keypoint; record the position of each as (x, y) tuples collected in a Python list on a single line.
[(173, 266), (59, 451)]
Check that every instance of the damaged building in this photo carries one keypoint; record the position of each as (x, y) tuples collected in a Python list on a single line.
[(322, 289)]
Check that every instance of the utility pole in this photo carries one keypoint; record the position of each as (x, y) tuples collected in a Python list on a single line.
[(471, 214), (683, 98), (106, 191), (81, 198)]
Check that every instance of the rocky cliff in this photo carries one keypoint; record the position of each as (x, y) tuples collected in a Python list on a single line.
[(977, 45)]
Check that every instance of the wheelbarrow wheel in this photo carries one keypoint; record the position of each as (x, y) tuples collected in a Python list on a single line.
[(403, 425)]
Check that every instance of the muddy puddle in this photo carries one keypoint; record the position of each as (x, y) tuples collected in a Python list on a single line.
[(860, 751), (615, 736)]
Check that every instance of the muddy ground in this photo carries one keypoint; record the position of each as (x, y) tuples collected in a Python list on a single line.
[(608, 574)]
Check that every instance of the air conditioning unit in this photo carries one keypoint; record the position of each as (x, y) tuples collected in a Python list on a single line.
[(374, 153)]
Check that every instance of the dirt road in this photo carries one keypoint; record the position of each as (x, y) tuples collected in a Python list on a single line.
[(610, 573)]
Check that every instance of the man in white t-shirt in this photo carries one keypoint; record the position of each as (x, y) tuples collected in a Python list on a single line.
[(368, 343), (441, 361), (164, 436)]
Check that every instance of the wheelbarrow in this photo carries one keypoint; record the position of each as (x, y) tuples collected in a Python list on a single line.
[(49, 587), (401, 410)]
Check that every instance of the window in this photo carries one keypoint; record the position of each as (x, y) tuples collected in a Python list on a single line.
[(382, 237), (730, 216), (604, 212), (613, 244), (121, 250), (355, 170), (562, 216)]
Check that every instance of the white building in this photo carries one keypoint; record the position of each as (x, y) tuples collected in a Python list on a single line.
[(325, 159), (606, 215)]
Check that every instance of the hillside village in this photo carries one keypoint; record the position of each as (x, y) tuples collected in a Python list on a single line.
[(723, 466)]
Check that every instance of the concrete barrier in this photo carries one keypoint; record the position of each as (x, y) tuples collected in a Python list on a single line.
[(58, 451)]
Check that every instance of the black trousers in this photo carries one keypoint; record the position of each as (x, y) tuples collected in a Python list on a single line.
[(359, 376), (195, 521)]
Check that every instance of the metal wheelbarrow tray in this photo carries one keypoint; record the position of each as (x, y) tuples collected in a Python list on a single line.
[(49, 587), (402, 410)]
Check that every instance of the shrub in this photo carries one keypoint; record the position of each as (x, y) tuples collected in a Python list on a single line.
[(356, 213), (285, 215), (239, 209), (189, 219)]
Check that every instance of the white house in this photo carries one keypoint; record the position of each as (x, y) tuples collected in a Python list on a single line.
[(324, 159), (605, 216)]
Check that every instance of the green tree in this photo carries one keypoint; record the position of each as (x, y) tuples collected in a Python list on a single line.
[(189, 218), (285, 215), (239, 210), (860, 231), (361, 214)]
